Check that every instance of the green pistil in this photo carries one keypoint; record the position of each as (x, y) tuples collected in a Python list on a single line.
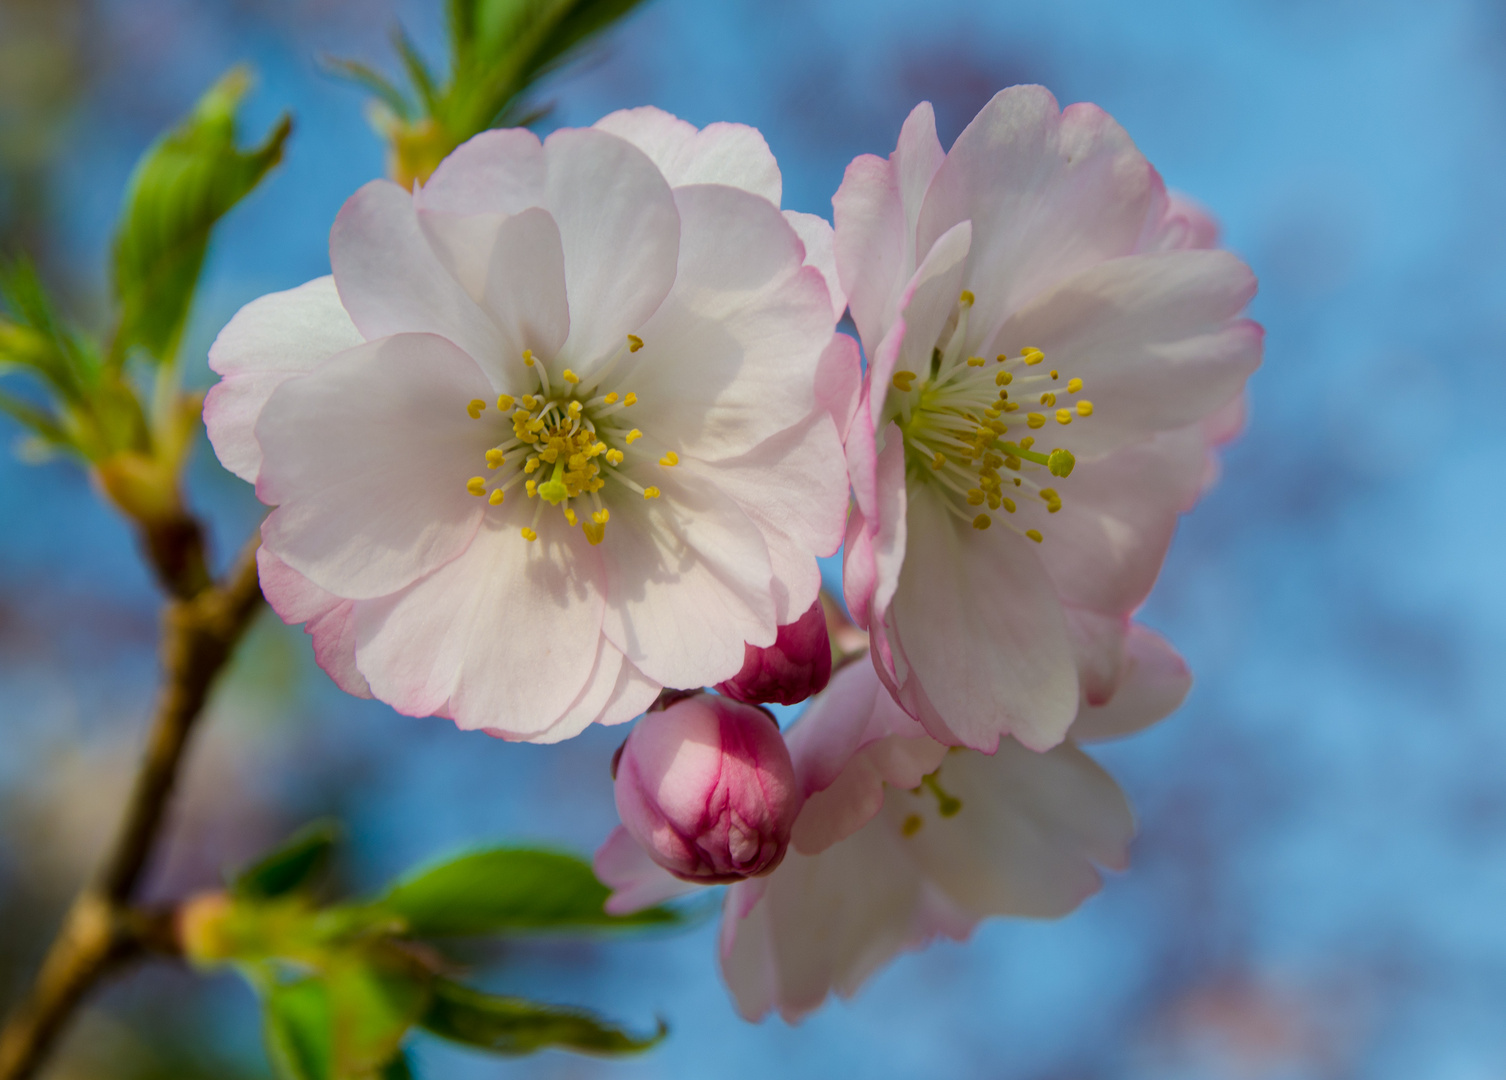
[(553, 491)]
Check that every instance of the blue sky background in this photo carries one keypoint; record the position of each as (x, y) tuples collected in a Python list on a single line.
[(1318, 884)]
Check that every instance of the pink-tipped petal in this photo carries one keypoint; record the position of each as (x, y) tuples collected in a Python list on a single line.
[(1154, 685), (721, 153)]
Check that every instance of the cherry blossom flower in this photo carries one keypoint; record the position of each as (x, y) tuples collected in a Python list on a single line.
[(1053, 350), (561, 429), (706, 787), (901, 840)]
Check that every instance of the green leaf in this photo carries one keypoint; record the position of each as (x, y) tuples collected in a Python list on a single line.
[(504, 890), (183, 185), (507, 1025), (373, 80), (294, 864), (299, 1029)]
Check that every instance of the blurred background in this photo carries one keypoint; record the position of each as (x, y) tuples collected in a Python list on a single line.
[(1318, 887)]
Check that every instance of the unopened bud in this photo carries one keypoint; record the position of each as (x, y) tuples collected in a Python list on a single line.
[(796, 666), (707, 788)]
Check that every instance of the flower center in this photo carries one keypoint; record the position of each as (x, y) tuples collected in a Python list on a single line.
[(967, 418), (567, 441)]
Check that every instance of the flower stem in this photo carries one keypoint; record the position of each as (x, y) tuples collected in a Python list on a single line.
[(102, 929)]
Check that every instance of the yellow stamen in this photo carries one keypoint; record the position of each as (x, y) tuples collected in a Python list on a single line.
[(476, 485), (939, 460), (911, 825), (496, 497), (1034, 534), (610, 399), (504, 402), (1003, 378), (650, 493), (572, 378), (1032, 355), (594, 531), (475, 407), (1036, 420), (528, 361), (570, 516), (634, 343), (1048, 399), (1084, 408), (966, 299), (494, 459), (903, 381), (1063, 416), (1008, 504), (1055, 374), (529, 534), (982, 521), (532, 487), (602, 516), (976, 361), (670, 458), (633, 435), (614, 456), (630, 399), (1074, 385), (974, 497)]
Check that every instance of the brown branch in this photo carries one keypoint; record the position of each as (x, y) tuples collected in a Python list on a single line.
[(102, 929)]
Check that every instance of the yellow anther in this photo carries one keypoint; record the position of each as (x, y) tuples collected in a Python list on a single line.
[(530, 402), (633, 435), (966, 299), (570, 516), (903, 381), (629, 399), (1050, 495), (476, 485), (982, 521), (670, 458), (598, 449), (532, 487), (610, 399), (1063, 416), (1084, 408), (1032, 355), (1074, 385), (1035, 420), (1055, 374), (1060, 462), (976, 361), (1003, 378), (911, 825), (634, 343), (594, 531), (1027, 442), (531, 465), (1012, 462), (1002, 358), (529, 534), (974, 497), (1034, 534), (528, 357), (994, 501), (602, 516), (992, 413), (496, 497), (1008, 504), (504, 402), (535, 426), (1010, 406), (650, 493), (1048, 398), (475, 407), (614, 456), (572, 378), (494, 459), (939, 460)]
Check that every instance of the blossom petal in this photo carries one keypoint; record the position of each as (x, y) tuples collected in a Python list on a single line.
[(1155, 339), (721, 153), (876, 210), (730, 357), (327, 618), (504, 637), (1050, 193), (820, 252), (1029, 832), (839, 381), (636, 881), (1154, 685), (621, 235), (392, 282), (794, 487), (983, 632), (496, 172), (688, 583), (368, 457), (271, 338)]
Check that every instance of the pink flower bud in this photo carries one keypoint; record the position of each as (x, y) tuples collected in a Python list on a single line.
[(796, 666), (707, 788)]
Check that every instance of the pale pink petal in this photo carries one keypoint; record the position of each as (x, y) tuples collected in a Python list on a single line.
[(1156, 340), (495, 172), (835, 813), (1154, 684), (688, 583), (720, 153), (794, 487), (271, 338), (367, 458), (730, 358), (887, 529), (1105, 546), (851, 713), (514, 267), (1029, 835), (983, 632), (504, 637), (1098, 646), (1050, 193), (876, 209), (392, 282), (839, 381), (636, 881), (327, 619), (631, 696), (820, 252), (587, 707), (1177, 223)]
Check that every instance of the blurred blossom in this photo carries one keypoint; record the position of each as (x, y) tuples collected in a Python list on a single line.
[(705, 786)]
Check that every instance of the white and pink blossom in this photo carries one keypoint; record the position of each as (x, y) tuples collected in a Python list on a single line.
[(1053, 351), (562, 429)]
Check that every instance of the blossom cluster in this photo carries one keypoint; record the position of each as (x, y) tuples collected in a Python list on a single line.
[(564, 435)]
